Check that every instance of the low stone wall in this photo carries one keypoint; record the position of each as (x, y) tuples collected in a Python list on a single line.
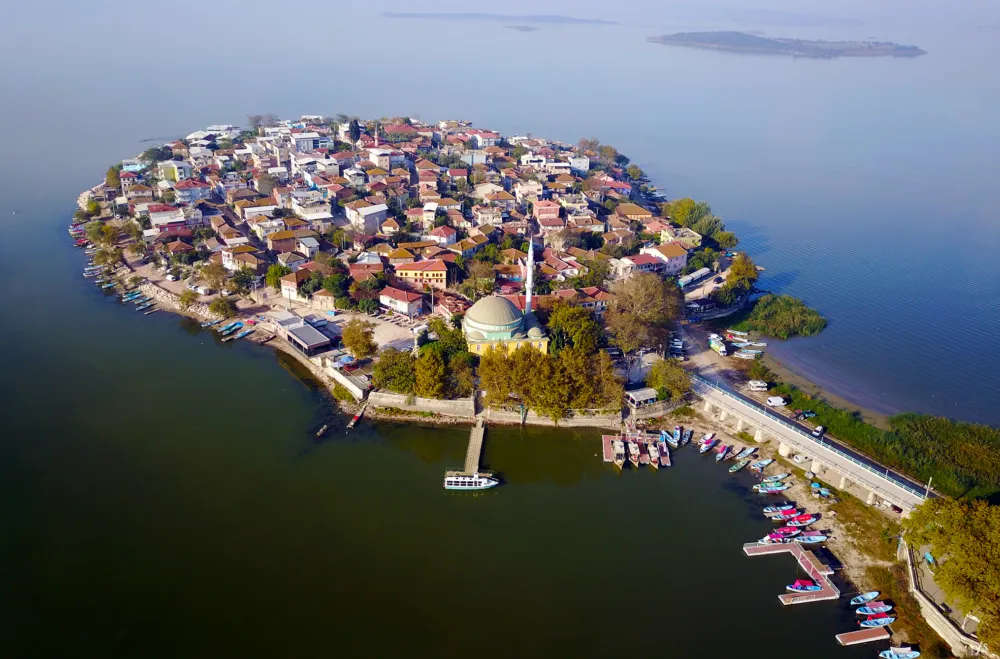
[(656, 409), (961, 643), (169, 301), (574, 420), (460, 407)]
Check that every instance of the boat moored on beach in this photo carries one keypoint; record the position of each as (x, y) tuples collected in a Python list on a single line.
[(784, 514), (770, 510), (739, 465), (721, 453), (772, 489), (686, 439), (776, 478), (707, 446), (810, 539), (745, 453), (760, 465)]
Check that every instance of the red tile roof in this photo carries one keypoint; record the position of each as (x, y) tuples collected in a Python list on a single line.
[(401, 295)]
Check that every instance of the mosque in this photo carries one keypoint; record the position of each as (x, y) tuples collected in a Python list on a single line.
[(496, 321)]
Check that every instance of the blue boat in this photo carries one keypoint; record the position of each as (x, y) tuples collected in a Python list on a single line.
[(235, 326), (873, 608), (228, 326), (872, 622), (760, 465), (745, 453), (141, 300), (903, 652), (668, 438), (107, 285), (131, 296), (707, 445), (144, 306), (677, 434), (246, 332), (864, 598), (686, 439), (803, 586), (209, 323)]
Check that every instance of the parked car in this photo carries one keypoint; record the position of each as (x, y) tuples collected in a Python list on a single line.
[(718, 280), (192, 287), (776, 401), (171, 277), (818, 431)]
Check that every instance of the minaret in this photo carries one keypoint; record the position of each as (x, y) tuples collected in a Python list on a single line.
[(376, 134), (531, 275)]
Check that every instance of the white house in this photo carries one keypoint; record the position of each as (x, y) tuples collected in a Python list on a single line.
[(407, 303), (367, 219), (307, 246), (579, 164), (443, 236), (673, 256), (189, 191)]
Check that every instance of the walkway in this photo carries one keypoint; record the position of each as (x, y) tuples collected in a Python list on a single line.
[(855, 467), (815, 568), (472, 454)]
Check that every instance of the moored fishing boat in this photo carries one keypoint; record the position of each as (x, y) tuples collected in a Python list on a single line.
[(784, 514), (810, 539), (633, 453), (141, 300), (246, 332), (758, 344), (227, 326), (209, 323), (864, 598), (878, 620), (774, 539), (706, 446), (739, 465), (668, 438), (686, 439), (787, 531), (737, 332), (803, 586), (874, 607), (760, 465), (778, 509), (235, 326), (143, 307), (654, 455), (745, 453), (902, 652), (805, 519), (677, 434), (773, 489), (619, 450), (107, 285), (743, 355), (721, 453), (776, 478)]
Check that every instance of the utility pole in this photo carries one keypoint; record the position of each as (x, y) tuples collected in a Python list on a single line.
[(928, 490)]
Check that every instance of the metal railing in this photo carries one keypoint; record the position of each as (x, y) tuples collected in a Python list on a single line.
[(887, 475)]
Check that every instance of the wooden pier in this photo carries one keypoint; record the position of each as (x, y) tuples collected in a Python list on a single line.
[(863, 636), (472, 453), (607, 446), (816, 569)]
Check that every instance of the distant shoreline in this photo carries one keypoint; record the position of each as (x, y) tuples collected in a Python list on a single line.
[(742, 42)]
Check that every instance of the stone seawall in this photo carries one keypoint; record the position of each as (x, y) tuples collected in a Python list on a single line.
[(460, 407), (574, 420)]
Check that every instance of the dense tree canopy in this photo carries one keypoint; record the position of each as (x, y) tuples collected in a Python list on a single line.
[(669, 379), (644, 306), (274, 274), (574, 327), (964, 538), (359, 338)]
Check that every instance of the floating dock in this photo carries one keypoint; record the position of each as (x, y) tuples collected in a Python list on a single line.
[(606, 444), (863, 636), (814, 567), (643, 439)]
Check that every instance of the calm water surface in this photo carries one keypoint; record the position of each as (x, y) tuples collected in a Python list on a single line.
[(160, 491)]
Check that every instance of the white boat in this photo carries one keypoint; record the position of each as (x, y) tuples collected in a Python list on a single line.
[(466, 482), (633, 453), (654, 455), (737, 332), (619, 449), (743, 355)]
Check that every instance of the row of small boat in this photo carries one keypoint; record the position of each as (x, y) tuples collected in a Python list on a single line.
[(678, 437)]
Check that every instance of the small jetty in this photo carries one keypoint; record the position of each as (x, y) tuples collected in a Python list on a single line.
[(863, 636), (814, 567), (473, 453), (357, 417), (643, 440), (153, 310)]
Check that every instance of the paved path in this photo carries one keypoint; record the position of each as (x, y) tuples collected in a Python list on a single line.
[(885, 483)]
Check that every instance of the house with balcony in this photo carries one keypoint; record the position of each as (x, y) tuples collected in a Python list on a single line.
[(407, 303), (190, 191), (673, 255), (423, 275)]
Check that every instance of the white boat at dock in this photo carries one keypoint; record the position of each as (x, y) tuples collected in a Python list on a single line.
[(469, 482), (654, 455), (633, 453), (619, 451)]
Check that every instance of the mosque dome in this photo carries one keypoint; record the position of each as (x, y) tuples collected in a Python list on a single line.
[(495, 313)]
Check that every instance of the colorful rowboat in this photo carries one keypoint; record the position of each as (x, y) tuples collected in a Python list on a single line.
[(721, 453), (785, 514), (773, 489), (903, 652), (810, 539), (745, 453), (760, 465), (803, 520), (864, 598), (775, 478), (873, 608), (777, 509), (803, 586), (686, 439), (876, 621), (739, 465), (144, 306), (706, 446)]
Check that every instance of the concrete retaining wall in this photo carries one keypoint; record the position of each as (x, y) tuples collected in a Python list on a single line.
[(460, 407), (961, 643), (574, 420), (347, 382), (656, 409)]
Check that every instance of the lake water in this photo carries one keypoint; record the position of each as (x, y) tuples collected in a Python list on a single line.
[(160, 491)]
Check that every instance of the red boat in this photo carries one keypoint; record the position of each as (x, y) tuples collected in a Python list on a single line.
[(786, 531), (802, 520), (788, 514)]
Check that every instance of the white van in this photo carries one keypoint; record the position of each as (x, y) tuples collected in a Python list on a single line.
[(776, 401), (757, 385)]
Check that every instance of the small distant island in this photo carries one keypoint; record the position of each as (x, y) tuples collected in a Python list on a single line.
[(546, 19), (522, 28), (741, 42)]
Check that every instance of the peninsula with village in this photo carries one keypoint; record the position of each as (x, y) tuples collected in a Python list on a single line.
[(441, 272), (743, 42)]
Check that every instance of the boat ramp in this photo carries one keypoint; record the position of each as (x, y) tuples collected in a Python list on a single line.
[(815, 568), (474, 452)]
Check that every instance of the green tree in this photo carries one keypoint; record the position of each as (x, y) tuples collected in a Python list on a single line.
[(548, 393), (451, 339), (577, 370), (110, 234), (368, 305), (634, 172), (430, 375), (93, 231), (687, 211), (187, 298), (708, 226), (577, 327), (223, 306), (112, 178), (214, 275), (394, 371), (359, 338), (669, 379), (495, 377), (610, 386), (93, 208), (726, 239), (758, 370), (243, 280), (274, 275), (461, 378), (742, 271), (964, 538), (354, 130)]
